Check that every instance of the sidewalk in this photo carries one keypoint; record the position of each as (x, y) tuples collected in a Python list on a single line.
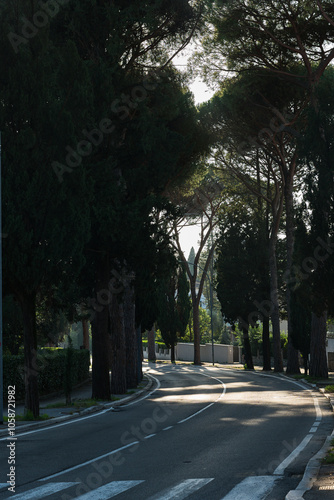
[(322, 475), (60, 412)]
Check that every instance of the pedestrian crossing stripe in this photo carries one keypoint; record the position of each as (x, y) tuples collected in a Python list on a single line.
[(178, 492), (109, 490), (42, 491), (252, 488), (182, 490)]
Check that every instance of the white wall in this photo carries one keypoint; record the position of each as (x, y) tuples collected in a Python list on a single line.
[(185, 352)]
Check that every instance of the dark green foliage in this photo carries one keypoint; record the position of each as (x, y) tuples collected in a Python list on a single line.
[(183, 302), (69, 372), (50, 364), (12, 326), (67, 201), (317, 150), (242, 273), (300, 284), (270, 34), (174, 307)]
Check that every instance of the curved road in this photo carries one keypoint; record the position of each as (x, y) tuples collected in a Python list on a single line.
[(203, 433)]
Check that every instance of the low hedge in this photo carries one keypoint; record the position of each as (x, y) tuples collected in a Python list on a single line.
[(50, 365), (161, 345)]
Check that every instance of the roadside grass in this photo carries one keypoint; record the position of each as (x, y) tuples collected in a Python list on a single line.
[(329, 388), (329, 458)]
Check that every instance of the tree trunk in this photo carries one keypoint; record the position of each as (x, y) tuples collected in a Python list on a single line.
[(305, 359), (131, 341), (28, 306), (248, 350), (266, 344), (318, 357), (197, 341), (118, 348), (100, 335), (140, 356), (172, 354), (278, 360), (85, 334), (293, 358), (151, 345)]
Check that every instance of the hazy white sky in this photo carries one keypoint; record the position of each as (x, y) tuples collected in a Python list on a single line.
[(189, 235)]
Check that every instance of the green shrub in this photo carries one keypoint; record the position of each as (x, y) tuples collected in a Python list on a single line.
[(161, 345), (50, 365)]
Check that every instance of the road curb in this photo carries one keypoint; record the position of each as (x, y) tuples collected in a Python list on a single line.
[(313, 467), (329, 396), (86, 411)]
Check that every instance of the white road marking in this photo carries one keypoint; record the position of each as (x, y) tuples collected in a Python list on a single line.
[(42, 491), (51, 426), (182, 490), (317, 409), (310, 473), (88, 462), (149, 436), (211, 404), (252, 488), (194, 414), (167, 428), (281, 468), (80, 419), (146, 395), (279, 471), (109, 490)]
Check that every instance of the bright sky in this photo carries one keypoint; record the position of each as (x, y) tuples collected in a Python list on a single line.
[(189, 235)]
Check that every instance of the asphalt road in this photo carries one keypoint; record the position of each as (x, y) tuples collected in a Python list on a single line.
[(203, 433)]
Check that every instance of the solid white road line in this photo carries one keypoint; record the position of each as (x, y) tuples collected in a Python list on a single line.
[(146, 395), (54, 426), (80, 419), (149, 436), (311, 472), (88, 462), (109, 490), (182, 490), (279, 471), (252, 488), (211, 404), (42, 491)]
